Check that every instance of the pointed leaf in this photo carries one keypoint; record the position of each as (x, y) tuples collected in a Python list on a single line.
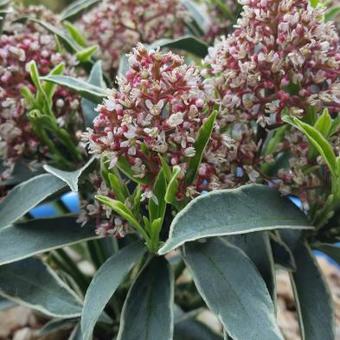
[(33, 284), (313, 297), (85, 89), (105, 282), (188, 43), (26, 196), (76, 8), (71, 178), (203, 137), (149, 304), (233, 289), (236, 211), (41, 235), (89, 108), (282, 254)]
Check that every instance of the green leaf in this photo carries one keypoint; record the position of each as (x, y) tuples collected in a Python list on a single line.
[(26, 196), (118, 187), (324, 123), (123, 211), (56, 325), (187, 43), (332, 250), (314, 3), (149, 304), (234, 211), (75, 34), (75, 8), (86, 54), (233, 289), (222, 6), (172, 187), (313, 298), (157, 209), (40, 235), (124, 166), (257, 247), (203, 137), (104, 284), (282, 254), (85, 89), (71, 178), (318, 141), (194, 330), (89, 107), (33, 284), (68, 42), (332, 13)]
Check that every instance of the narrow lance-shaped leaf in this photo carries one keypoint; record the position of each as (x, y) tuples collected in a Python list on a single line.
[(233, 289), (149, 304), (71, 178), (196, 12), (32, 283), (26, 196), (171, 190), (76, 8), (203, 137), (312, 295), (236, 211), (188, 43), (96, 78), (157, 205), (38, 236), (282, 254), (104, 284), (85, 89), (318, 141)]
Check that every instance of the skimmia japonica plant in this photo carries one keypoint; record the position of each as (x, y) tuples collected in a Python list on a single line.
[(202, 140)]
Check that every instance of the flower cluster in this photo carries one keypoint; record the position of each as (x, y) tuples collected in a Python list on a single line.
[(19, 44), (117, 26), (280, 56), (157, 110), (107, 223)]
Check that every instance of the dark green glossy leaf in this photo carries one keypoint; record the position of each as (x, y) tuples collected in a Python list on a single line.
[(33, 284), (149, 304), (26, 196), (198, 14), (157, 206), (233, 289), (41, 235), (237, 211)]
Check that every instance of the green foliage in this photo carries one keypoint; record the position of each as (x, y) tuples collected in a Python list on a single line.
[(106, 281), (38, 287), (237, 294), (230, 212), (149, 304)]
